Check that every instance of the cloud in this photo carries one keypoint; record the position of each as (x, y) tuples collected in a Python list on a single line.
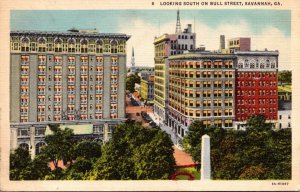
[(143, 33)]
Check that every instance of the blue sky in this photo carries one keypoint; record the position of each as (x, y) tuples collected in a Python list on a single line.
[(264, 26), (110, 20)]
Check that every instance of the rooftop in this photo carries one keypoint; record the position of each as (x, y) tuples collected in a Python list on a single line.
[(71, 32)]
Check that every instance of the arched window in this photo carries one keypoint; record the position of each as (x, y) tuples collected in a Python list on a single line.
[(58, 45), (41, 44), (24, 145), (25, 44), (71, 45), (114, 46), (38, 147), (99, 46), (84, 45)]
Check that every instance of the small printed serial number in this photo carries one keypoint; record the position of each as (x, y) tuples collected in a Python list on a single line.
[(280, 183)]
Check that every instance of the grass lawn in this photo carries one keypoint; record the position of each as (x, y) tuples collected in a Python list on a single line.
[(190, 170)]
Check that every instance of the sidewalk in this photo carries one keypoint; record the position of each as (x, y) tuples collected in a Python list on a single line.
[(166, 129)]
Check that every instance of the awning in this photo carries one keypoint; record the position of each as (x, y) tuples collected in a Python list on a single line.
[(77, 129)]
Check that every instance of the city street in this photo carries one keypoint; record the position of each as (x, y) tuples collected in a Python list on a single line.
[(180, 156)]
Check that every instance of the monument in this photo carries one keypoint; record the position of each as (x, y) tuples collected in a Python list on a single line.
[(205, 158)]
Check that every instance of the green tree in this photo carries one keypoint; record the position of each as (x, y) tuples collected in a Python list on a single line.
[(60, 145), (258, 122), (20, 161), (130, 82), (285, 76), (88, 150), (135, 152), (154, 160)]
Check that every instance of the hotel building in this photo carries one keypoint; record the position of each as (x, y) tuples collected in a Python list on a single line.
[(165, 46), (74, 78), (256, 85), (201, 87)]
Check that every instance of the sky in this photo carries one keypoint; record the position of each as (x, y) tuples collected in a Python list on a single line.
[(269, 29)]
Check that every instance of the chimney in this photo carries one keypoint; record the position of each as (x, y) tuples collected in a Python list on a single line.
[(189, 29), (222, 42)]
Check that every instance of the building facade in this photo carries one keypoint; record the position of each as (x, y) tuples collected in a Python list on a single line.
[(165, 46), (73, 77), (147, 89), (201, 87), (256, 85), (239, 44)]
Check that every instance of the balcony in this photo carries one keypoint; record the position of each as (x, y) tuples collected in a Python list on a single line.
[(113, 111), (83, 111), (24, 72), (71, 82), (25, 63), (41, 92), (71, 102), (57, 102), (83, 92), (71, 73), (24, 113), (83, 72), (83, 101), (57, 82), (98, 101), (113, 101), (41, 113), (99, 72), (24, 93), (114, 72), (99, 91), (57, 62), (41, 83), (99, 82), (41, 72), (57, 112), (114, 82), (98, 111), (24, 82), (71, 112), (57, 73), (71, 92), (24, 103), (42, 62), (114, 92), (71, 63), (83, 82), (41, 102), (57, 92)]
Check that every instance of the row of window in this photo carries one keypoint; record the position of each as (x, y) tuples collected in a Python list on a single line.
[(203, 74), (218, 64)]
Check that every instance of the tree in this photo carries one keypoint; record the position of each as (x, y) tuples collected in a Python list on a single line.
[(20, 160), (258, 122), (88, 150), (154, 160), (130, 82), (135, 152), (60, 145), (285, 76), (256, 153)]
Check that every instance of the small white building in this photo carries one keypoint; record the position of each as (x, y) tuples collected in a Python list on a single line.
[(284, 115)]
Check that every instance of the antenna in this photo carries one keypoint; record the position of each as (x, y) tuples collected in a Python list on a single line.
[(178, 26)]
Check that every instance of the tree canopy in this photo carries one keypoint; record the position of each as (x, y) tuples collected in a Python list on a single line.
[(285, 76), (255, 153), (130, 82)]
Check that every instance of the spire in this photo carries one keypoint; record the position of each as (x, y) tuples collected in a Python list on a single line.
[(178, 26), (132, 68)]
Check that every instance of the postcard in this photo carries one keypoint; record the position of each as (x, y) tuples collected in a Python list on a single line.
[(149, 95)]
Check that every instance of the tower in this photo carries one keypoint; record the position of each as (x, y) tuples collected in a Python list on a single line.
[(178, 26), (133, 69)]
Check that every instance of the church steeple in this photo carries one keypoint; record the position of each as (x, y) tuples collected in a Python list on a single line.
[(132, 68), (178, 25)]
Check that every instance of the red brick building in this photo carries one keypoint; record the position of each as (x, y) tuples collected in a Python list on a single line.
[(256, 85)]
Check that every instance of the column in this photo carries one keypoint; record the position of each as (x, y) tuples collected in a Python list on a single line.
[(205, 158)]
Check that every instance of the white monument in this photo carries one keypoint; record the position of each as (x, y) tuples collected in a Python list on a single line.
[(205, 158)]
